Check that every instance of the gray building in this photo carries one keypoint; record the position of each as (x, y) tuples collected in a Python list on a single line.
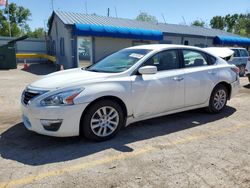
[(80, 40)]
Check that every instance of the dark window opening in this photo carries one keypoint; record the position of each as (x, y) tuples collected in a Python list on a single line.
[(186, 42), (62, 50), (165, 60)]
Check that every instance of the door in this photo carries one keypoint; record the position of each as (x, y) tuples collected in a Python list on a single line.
[(200, 76), (244, 56), (237, 58), (161, 92)]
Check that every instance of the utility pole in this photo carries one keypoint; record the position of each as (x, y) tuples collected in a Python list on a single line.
[(108, 12), (52, 5), (163, 18), (185, 23), (86, 7), (116, 12)]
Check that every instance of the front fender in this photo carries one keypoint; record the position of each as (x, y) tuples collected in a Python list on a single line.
[(98, 90)]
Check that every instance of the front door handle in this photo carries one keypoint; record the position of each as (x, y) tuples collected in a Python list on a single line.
[(178, 78)]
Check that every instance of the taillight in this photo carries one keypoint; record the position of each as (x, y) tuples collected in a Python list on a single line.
[(236, 70)]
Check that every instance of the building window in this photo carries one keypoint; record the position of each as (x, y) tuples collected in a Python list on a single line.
[(53, 48), (62, 50), (186, 42), (84, 51)]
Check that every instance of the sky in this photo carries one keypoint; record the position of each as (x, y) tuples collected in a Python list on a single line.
[(174, 11)]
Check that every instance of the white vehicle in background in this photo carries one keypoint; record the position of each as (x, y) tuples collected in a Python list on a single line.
[(222, 52), (133, 84), (240, 59), (233, 55)]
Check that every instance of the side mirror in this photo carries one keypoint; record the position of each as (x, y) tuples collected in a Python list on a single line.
[(148, 70)]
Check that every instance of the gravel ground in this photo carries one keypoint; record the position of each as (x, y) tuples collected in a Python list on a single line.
[(190, 149)]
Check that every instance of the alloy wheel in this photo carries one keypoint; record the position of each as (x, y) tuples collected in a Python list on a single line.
[(104, 121), (220, 99)]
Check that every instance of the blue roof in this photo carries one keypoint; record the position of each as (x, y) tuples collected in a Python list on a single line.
[(230, 40), (119, 32)]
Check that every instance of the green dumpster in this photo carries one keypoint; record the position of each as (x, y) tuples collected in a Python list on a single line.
[(8, 54)]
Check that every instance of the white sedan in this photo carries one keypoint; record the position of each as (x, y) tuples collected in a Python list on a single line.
[(133, 84)]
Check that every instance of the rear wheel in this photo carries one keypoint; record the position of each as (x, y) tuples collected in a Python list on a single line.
[(102, 120), (218, 99)]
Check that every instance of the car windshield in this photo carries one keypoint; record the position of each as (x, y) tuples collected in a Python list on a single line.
[(119, 61)]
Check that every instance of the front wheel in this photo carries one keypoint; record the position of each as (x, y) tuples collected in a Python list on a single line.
[(102, 120), (218, 99)]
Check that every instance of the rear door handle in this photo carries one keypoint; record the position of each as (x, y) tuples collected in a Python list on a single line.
[(178, 78)]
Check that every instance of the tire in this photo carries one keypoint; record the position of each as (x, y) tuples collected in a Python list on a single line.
[(218, 99), (98, 125), (242, 70)]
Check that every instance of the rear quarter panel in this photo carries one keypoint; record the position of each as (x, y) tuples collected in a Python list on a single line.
[(226, 74)]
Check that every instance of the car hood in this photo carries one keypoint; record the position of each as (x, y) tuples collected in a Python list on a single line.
[(68, 78), (222, 52)]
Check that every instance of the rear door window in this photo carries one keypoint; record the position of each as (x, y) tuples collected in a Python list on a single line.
[(243, 53), (194, 59), (236, 53)]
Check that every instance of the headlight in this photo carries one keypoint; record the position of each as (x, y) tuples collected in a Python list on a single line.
[(62, 98)]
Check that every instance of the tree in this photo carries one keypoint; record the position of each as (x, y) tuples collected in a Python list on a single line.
[(37, 33), (199, 23), (242, 27), (230, 21), (236, 23), (145, 17), (217, 22), (18, 17)]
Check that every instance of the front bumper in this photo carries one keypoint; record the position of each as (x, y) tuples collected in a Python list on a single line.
[(70, 116)]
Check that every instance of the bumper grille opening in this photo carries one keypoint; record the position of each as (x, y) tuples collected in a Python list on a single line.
[(27, 96)]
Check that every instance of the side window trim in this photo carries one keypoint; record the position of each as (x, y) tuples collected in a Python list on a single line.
[(204, 55), (177, 53)]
